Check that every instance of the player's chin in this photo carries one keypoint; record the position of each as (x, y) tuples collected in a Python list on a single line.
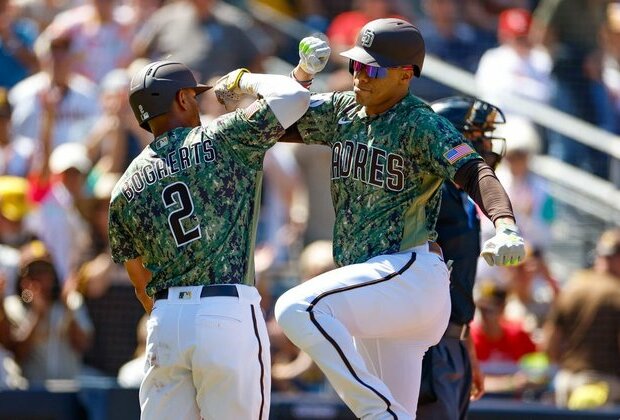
[(361, 96)]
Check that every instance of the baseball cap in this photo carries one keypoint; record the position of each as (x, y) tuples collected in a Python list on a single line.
[(5, 106), (69, 155), (514, 22), (13, 197), (609, 243)]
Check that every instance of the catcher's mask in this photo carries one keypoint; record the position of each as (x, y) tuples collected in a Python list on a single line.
[(477, 120)]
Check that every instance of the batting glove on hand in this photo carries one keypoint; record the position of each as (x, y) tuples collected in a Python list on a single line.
[(227, 90), (505, 248), (313, 54)]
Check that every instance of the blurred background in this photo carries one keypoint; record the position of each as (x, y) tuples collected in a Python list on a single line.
[(71, 330)]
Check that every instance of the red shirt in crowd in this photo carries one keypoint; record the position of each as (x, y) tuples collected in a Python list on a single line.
[(513, 344)]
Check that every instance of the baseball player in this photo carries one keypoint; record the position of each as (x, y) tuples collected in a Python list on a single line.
[(450, 371), (183, 221), (368, 323)]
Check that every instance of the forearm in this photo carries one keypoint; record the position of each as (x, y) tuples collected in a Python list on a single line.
[(302, 77), (140, 277), (479, 181)]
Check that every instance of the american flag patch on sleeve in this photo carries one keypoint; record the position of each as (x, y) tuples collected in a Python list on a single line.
[(458, 152)]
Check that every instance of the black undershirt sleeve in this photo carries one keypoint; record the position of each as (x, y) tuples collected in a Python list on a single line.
[(479, 181)]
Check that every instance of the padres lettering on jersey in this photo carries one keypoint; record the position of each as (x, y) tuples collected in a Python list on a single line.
[(195, 195), (368, 164), (386, 171)]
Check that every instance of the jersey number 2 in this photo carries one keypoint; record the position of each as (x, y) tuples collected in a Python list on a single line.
[(178, 195)]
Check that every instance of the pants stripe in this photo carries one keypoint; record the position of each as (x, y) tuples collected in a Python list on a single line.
[(260, 361), (333, 342)]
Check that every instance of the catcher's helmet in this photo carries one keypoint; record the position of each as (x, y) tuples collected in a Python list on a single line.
[(476, 119), (389, 42), (153, 89)]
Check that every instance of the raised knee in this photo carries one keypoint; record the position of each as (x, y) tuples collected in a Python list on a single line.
[(289, 312)]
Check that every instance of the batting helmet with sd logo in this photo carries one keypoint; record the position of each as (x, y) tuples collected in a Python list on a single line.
[(389, 42), (153, 89)]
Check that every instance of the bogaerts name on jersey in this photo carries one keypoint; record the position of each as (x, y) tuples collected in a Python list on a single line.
[(177, 160)]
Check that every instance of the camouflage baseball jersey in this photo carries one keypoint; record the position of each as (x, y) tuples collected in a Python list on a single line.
[(188, 204), (386, 171)]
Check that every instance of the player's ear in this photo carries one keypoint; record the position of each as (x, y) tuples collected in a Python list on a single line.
[(183, 98), (406, 76)]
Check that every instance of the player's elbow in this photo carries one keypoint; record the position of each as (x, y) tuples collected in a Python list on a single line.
[(291, 104)]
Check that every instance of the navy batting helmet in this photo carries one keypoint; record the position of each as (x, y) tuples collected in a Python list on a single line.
[(477, 120), (389, 42), (153, 89)]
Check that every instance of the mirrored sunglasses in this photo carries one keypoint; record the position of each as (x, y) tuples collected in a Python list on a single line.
[(372, 71)]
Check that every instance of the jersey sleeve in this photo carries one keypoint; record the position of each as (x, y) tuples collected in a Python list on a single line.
[(319, 124), (249, 131), (121, 244), (446, 148)]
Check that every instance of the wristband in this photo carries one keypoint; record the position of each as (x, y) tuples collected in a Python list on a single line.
[(304, 83), (235, 83)]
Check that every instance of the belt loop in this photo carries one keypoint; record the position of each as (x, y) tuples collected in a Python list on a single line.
[(464, 332)]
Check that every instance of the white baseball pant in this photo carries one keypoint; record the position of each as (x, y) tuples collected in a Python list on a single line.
[(207, 357), (368, 325)]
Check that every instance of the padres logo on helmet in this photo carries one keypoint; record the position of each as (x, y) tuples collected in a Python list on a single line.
[(389, 43)]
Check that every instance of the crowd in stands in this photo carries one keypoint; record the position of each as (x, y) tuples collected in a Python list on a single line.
[(67, 133)]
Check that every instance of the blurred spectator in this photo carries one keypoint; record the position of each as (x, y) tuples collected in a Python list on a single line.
[(516, 66), (99, 40), (55, 99), (292, 369), (10, 372), (200, 33), (108, 292), (131, 373), (116, 138), (57, 221), (15, 152), (569, 29), (499, 343), (136, 12), (281, 223), (51, 332), (98, 272), (582, 334), (611, 76), (611, 62), (532, 291), (42, 12), (17, 35), (315, 163), (14, 207), (484, 14), (533, 206), (449, 38)]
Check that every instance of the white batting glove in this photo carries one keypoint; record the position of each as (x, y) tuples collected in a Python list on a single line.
[(507, 247), (227, 89), (313, 54)]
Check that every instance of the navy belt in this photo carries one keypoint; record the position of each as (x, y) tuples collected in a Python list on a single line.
[(207, 291)]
